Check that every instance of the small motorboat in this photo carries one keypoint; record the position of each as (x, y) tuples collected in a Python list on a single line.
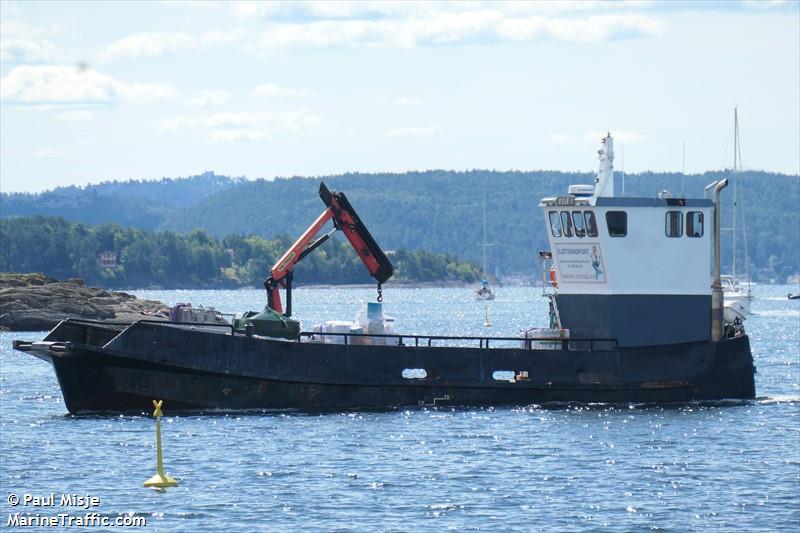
[(734, 291)]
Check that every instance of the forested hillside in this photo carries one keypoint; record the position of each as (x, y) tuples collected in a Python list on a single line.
[(441, 211), (141, 258), (142, 204)]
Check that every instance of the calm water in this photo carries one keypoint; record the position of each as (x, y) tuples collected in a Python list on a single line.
[(625, 468)]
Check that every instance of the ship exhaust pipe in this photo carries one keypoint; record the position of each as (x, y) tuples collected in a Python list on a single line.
[(717, 302)]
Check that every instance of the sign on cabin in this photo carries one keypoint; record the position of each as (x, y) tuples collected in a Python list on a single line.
[(580, 263)]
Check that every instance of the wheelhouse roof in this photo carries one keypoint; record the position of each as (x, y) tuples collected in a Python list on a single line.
[(618, 201)]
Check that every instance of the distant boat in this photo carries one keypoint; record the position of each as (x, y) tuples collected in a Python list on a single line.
[(484, 292), (794, 296), (737, 296), (736, 291)]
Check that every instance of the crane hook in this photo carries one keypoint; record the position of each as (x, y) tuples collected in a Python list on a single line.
[(380, 293)]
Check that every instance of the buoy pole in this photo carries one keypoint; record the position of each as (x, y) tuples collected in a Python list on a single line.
[(160, 479), (486, 322)]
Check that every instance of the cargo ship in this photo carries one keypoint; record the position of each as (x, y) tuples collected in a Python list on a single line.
[(634, 317)]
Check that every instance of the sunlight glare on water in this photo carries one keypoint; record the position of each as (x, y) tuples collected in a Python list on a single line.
[(728, 466)]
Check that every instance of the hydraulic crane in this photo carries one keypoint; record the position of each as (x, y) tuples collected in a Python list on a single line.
[(345, 219)]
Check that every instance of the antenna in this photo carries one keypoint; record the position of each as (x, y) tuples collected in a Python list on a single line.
[(683, 169), (622, 154)]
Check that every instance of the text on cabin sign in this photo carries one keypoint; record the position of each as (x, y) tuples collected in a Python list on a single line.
[(580, 263)]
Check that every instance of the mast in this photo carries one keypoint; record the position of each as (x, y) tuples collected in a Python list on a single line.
[(683, 171), (738, 155), (484, 231), (604, 182), (622, 171), (735, 190)]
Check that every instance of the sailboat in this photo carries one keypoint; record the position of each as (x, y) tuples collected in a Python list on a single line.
[(736, 292), (484, 292)]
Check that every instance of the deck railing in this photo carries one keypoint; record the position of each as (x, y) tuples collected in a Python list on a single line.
[(429, 341), (417, 341)]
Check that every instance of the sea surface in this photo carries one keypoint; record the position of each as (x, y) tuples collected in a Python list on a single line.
[(731, 466)]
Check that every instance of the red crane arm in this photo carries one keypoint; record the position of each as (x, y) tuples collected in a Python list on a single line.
[(345, 219), (288, 260)]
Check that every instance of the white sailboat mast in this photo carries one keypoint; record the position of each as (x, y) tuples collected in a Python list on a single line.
[(738, 166), (735, 181), (484, 232)]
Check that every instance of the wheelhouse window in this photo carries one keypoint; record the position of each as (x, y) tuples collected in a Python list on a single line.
[(577, 219), (617, 222), (694, 224), (566, 223), (673, 224), (555, 224), (591, 223)]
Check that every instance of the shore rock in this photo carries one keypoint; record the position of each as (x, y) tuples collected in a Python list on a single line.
[(34, 302)]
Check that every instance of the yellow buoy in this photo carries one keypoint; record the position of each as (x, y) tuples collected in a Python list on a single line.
[(486, 322), (160, 480)]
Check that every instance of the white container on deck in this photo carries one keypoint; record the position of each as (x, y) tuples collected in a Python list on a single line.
[(370, 317), (333, 326)]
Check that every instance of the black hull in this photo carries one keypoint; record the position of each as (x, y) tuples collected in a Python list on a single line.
[(110, 370)]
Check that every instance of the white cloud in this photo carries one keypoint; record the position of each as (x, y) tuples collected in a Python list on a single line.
[(381, 9), (49, 152), (235, 119), (26, 50), (573, 6), (405, 24), (467, 26), (588, 30), (146, 92), (149, 44), (218, 38), (766, 4), (154, 44), (204, 5), (209, 98), (178, 123), (63, 84), (238, 126), (425, 131), (239, 135), (48, 84), (24, 43), (77, 115), (405, 101), (275, 91), (322, 34), (293, 11), (250, 10)]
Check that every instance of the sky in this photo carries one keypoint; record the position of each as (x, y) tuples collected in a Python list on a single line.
[(93, 91)]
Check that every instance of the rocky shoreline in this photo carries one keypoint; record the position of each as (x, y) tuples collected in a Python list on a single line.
[(35, 302)]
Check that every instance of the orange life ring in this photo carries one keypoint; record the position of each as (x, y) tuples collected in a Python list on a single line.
[(553, 280)]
